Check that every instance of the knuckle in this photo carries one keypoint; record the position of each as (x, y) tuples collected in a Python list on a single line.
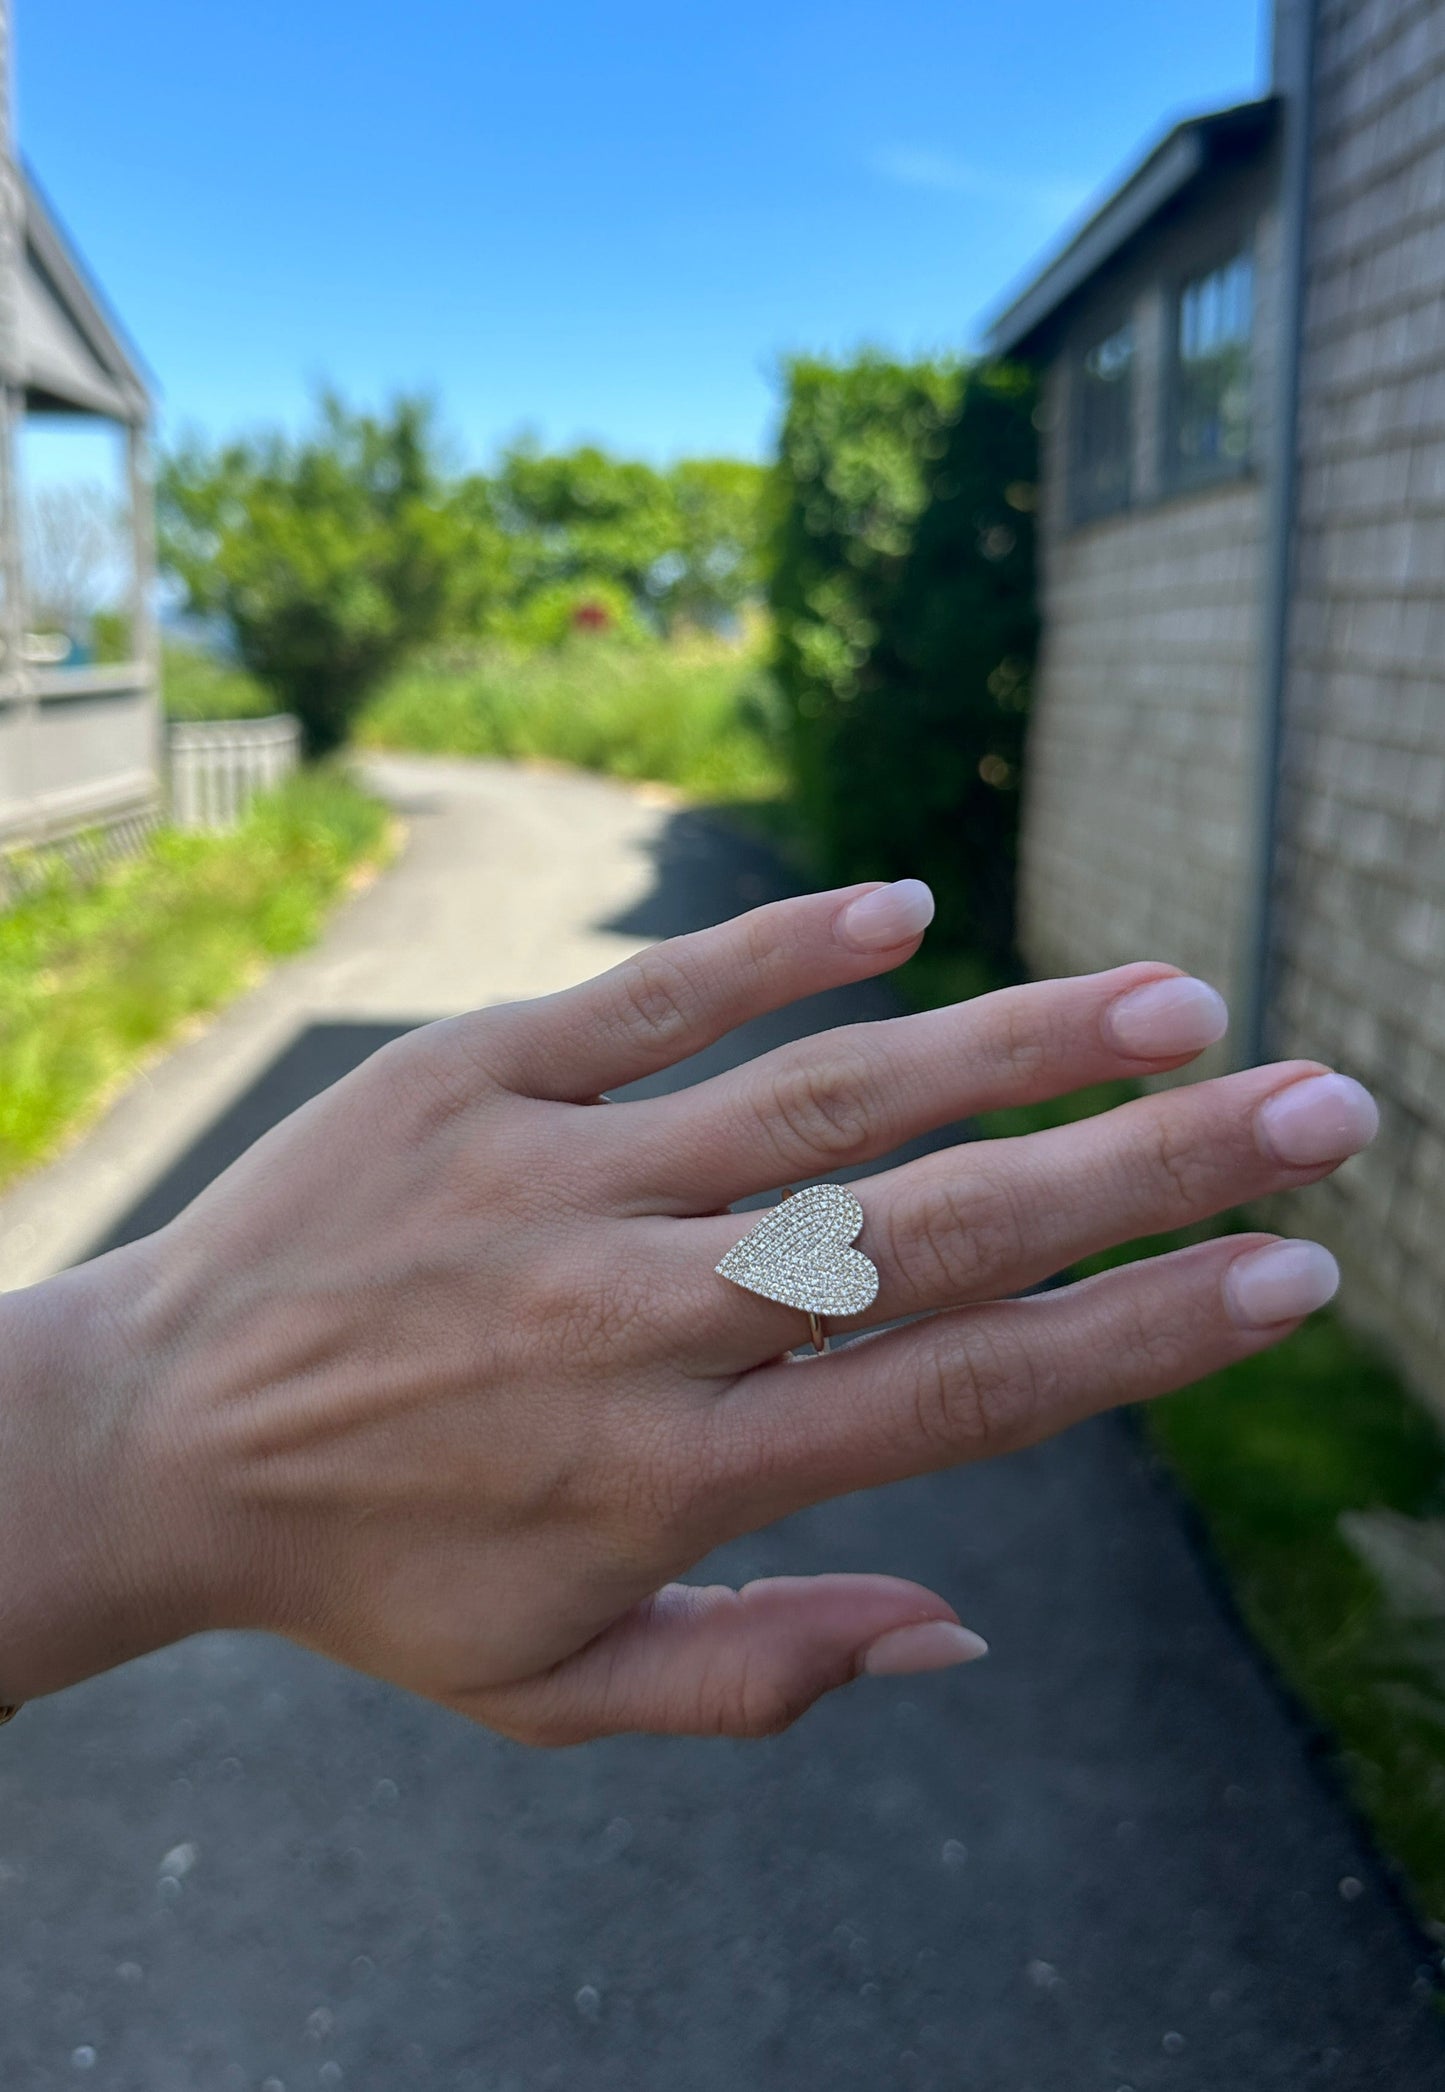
[(657, 1000), (1153, 1353), (762, 938), (820, 1110), (1175, 1160), (763, 1703), (1024, 1041), (949, 1242), (419, 1081), (977, 1395)]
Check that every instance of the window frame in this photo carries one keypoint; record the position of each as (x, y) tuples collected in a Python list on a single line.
[(1177, 473), (1085, 506)]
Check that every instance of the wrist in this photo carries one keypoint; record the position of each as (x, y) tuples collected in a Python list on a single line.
[(96, 1562)]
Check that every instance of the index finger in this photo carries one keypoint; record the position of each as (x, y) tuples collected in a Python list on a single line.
[(674, 999)]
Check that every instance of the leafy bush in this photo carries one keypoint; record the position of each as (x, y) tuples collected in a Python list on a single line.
[(697, 715), (902, 594), (329, 558), (93, 974), (681, 545)]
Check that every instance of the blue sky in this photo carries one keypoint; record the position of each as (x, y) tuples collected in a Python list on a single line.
[(604, 220)]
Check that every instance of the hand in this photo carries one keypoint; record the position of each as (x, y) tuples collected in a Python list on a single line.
[(439, 1378)]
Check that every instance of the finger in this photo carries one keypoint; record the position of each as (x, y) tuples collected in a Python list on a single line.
[(842, 1097), (987, 1380), (993, 1217), (675, 998), (717, 1662)]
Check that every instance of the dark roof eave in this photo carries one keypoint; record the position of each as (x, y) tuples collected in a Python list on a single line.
[(1164, 173)]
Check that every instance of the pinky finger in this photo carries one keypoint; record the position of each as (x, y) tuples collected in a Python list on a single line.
[(711, 1661), (987, 1380)]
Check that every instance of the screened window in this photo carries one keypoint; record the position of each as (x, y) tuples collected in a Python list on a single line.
[(1210, 419), (1104, 426)]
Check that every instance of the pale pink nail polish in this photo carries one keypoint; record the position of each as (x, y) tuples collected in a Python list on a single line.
[(889, 915), (931, 1645), (1279, 1283), (1321, 1118), (1180, 1015)]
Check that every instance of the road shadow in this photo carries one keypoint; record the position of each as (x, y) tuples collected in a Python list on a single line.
[(316, 1057)]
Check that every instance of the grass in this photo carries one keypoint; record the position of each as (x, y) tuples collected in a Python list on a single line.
[(1275, 1453), (196, 685), (696, 715), (1278, 1455), (96, 974)]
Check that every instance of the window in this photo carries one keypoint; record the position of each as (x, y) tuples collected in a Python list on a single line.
[(1209, 421), (1104, 426)]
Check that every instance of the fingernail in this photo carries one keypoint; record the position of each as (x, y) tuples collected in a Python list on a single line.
[(889, 915), (1322, 1118), (1279, 1283), (931, 1645), (1180, 1015)]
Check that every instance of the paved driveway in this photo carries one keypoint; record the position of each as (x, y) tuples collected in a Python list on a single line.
[(1106, 1858)]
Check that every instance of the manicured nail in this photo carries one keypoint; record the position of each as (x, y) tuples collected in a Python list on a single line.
[(1321, 1118), (931, 1645), (889, 915), (1279, 1283), (1155, 1022)]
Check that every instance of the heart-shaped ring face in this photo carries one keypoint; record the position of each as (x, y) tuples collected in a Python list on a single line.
[(798, 1254)]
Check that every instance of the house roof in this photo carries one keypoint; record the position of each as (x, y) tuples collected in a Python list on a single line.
[(74, 357), (1221, 137)]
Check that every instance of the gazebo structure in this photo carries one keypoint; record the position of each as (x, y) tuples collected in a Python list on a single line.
[(80, 745)]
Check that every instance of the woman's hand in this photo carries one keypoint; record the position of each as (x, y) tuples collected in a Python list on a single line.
[(439, 1377)]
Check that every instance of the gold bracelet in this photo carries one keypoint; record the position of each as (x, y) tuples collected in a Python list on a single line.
[(8, 1714)]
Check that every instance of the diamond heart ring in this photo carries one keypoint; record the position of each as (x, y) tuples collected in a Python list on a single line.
[(800, 1254)]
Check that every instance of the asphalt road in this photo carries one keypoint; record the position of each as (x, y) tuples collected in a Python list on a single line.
[(1109, 1857)]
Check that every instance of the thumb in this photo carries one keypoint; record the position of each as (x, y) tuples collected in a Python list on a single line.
[(711, 1661)]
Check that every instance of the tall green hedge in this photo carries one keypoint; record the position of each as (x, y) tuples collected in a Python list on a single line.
[(903, 598)]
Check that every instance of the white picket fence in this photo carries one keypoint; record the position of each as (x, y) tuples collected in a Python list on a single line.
[(219, 765)]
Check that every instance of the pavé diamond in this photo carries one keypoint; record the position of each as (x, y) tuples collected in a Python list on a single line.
[(799, 1254)]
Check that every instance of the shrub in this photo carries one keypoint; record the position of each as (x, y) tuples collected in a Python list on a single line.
[(902, 593)]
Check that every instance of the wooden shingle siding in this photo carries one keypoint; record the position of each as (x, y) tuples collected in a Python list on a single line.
[(1361, 974), (1140, 802)]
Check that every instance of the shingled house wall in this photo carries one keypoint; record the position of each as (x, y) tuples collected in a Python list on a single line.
[(1361, 972), (1137, 819)]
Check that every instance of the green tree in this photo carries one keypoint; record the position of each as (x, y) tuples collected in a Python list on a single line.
[(329, 557), (902, 594), (683, 542)]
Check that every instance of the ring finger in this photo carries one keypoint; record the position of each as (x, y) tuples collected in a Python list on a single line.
[(992, 1218)]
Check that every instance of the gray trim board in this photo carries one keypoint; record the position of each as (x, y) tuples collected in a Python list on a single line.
[(119, 385)]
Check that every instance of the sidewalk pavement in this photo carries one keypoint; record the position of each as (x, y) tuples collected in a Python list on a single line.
[(1107, 1858)]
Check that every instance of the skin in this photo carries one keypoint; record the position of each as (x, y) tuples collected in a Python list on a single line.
[(439, 1379)]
